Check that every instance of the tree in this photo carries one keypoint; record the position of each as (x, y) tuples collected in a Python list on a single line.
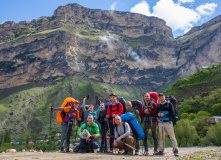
[(7, 136), (184, 115), (216, 109), (200, 123), (185, 133), (191, 116), (213, 134), (27, 140)]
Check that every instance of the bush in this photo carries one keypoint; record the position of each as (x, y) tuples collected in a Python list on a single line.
[(5, 146), (45, 146)]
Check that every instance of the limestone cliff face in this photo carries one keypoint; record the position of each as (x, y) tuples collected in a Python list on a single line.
[(201, 46), (105, 46)]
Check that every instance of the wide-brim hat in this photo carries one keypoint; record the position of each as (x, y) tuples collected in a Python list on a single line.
[(85, 134)]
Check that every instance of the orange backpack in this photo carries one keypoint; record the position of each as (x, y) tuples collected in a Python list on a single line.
[(67, 109)]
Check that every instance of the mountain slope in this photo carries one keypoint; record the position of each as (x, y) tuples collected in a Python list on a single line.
[(79, 51), (110, 47), (26, 111), (199, 92)]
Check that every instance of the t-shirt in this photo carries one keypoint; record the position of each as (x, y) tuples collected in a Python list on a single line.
[(119, 132)]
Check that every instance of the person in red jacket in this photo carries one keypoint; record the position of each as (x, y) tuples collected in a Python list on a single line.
[(147, 114), (114, 109)]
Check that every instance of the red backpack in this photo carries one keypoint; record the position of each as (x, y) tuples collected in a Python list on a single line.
[(154, 97)]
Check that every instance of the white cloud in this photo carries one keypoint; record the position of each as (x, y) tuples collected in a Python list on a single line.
[(186, 1), (3, 22), (142, 8), (113, 5), (176, 16), (206, 9)]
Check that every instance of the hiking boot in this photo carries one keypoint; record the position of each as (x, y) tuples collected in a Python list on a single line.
[(146, 154), (111, 150), (176, 153), (67, 150), (125, 152), (62, 150), (160, 153), (155, 152)]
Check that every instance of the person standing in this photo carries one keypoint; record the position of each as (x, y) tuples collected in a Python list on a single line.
[(68, 113), (147, 113), (114, 109), (103, 122), (165, 111)]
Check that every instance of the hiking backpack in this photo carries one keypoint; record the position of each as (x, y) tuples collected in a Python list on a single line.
[(173, 100), (60, 114), (153, 98), (136, 104), (123, 102)]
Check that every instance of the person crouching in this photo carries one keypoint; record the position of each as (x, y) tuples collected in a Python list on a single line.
[(123, 133), (89, 144)]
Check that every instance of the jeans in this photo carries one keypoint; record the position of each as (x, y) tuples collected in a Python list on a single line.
[(66, 134), (92, 144), (112, 126), (103, 135)]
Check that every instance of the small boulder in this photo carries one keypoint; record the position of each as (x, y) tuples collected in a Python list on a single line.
[(11, 151)]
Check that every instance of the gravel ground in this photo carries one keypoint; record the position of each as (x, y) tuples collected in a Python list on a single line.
[(183, 152)]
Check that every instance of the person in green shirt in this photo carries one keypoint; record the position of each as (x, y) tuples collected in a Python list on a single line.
[(93, 129), (136, 114)]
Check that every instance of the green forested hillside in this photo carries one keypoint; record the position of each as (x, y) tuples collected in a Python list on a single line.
[(25, 111), (199, 97)]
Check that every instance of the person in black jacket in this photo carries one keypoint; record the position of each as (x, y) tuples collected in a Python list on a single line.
[(103, 122), (165, 111)]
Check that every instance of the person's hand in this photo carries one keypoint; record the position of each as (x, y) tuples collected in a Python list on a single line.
[(92, 137), (113, 115), (51, 108), (79, 119), (107, 116), (118, 139), (160, 114), (146, 111), (84, 98), (105, 119), (89, 139)]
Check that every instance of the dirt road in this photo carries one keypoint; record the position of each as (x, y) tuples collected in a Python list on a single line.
[(92, 156)]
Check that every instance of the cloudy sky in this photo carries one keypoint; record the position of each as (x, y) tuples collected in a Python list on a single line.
[(180, 15)]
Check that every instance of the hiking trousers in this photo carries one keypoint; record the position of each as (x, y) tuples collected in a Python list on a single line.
[(153, 126), (92, 144), (111, 135), (103, 135), (130, 141), (167, 126), (66, 134)]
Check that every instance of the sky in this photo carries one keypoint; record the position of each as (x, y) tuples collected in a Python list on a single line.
[(180, 15)]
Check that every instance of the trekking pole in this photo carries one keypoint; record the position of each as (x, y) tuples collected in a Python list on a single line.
[(50, 121), (162, 131), (130, 146)]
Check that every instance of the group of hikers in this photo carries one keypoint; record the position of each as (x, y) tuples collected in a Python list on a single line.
[(126, 122)]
